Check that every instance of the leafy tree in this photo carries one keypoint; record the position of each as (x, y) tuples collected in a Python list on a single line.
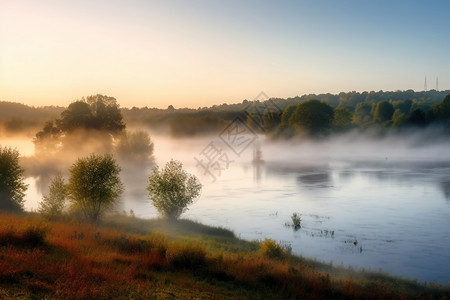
[(77, 116), (172, 189), (52, 205), (271, 119), (417, 118), (399, 119), (313, 117), (383, 112), (441, 110), (99, 113), (362, 113), (12, 185), (94, 185), (106, 114), (342, 118), (47, 139), (403, 105), (285, 129), (135, 148)]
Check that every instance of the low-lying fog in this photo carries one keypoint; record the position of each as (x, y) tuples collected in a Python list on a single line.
[(377, 203)]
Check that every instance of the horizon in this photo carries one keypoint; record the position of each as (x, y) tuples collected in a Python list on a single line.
[(226, 103), (203, 53)]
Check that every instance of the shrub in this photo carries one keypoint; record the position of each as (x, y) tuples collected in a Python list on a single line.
[(271, 249), (296, 221), (186, 256)]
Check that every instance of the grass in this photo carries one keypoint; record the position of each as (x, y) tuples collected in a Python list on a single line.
[(130, 258)]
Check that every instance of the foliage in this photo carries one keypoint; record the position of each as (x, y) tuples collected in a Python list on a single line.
[(272, 249), (313, 117), (362, 113), (442, 110), (135, 148), (66, 260), (172, 189), (342, 118), (186, 255), (97, 113), (398, 118), (417, 118), (296, 221), (271, 118), (383, 112), (94, 184), (52, 205), (12, 185)]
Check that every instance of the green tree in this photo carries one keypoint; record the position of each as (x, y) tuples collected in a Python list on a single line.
[(383, 112), (286, 130), (94, 185), (52, 205), (47, 139), (172, 189), (362, 113), (313, 117), (342, 118), (106, 114), (271, 119), (417, 118), (135, 148), (441, 110), (12, 185), (398, 118), (77, 116)]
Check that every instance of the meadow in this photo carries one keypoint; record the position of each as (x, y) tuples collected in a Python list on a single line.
[(125, 257)]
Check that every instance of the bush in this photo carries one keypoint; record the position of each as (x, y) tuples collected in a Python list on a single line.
[(172, 189), (271, 249), (186, 256), (31, 237)]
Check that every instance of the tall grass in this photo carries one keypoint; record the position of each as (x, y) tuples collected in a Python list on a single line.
[(67, 260)]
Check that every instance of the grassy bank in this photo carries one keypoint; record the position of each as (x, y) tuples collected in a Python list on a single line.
[(131, 258)]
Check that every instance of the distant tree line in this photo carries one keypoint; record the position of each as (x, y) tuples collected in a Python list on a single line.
[(351, 110), (279, 117)]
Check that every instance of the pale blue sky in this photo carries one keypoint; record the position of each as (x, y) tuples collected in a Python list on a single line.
[(200, 53)]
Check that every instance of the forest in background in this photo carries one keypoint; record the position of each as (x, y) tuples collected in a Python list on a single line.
[(273, 116)]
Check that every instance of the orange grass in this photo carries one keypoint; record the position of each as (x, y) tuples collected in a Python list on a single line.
[(68, 260)]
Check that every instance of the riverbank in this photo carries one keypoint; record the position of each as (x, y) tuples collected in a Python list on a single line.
[(133, 258)]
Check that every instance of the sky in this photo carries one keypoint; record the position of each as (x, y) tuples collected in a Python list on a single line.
[(204, 52)]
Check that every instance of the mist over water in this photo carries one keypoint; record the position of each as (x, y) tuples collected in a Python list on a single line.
[(374, 203)]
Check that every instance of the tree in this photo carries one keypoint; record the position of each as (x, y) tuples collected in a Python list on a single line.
[(313, 117), (342, 118), (106, 114), (417, 118), (441, 110), (172, 189), (286, 130), (52, 205), (94, 185), (398, 118), (12, 185), (271, 119), (362, 113), (77, 116), (135, 148), (383, 112)]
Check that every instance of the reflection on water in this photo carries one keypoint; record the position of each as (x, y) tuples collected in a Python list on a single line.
[(445, 187), (376, 214)]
